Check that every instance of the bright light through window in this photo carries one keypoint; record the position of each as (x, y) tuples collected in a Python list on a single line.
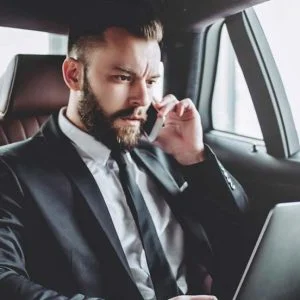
[(280, 22), (18, 41), (232, 106)]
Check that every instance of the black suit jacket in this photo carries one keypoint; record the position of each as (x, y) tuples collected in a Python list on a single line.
[(57, 240)]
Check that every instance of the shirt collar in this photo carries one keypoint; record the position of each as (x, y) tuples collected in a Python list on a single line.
[(86, 145)]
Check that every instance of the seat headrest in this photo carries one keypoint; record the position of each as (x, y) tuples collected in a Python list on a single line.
[(32, 85)]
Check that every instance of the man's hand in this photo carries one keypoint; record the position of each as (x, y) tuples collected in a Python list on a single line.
[(182, 134), (187, 297)]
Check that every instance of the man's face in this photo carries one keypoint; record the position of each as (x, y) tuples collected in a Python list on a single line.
[(117, 87)]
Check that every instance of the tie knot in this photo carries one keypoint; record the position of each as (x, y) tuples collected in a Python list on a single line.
[(119, 156)]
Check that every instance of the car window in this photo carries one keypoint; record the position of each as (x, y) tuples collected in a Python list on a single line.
[(18, 41), (283, 39), (232, 107)]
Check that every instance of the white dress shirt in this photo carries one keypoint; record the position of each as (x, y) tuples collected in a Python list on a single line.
[(105, 171)]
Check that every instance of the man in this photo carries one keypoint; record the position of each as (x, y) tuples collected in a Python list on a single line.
[(67, 228)]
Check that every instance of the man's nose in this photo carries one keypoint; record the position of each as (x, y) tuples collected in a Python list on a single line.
[(139, 95)]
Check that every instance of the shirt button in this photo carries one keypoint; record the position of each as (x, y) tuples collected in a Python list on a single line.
[(110, 164)]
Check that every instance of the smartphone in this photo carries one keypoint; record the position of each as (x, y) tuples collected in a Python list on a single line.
[(153, 124)]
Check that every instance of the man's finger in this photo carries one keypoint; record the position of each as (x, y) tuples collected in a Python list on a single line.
[(167, 99), (166, 109), (166, 105), (182, 106)]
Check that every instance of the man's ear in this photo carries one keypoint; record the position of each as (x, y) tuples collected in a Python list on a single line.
[(72, 71)]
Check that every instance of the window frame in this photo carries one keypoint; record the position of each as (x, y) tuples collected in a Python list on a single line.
[(262, 77)]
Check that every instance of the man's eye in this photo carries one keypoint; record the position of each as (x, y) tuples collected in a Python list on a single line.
[(122, 77), (151, 82)]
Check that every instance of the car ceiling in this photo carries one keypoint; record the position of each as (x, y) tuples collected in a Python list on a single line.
[(53, 16)]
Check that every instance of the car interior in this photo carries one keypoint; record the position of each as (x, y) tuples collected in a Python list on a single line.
[(267, 164), (31, 89)]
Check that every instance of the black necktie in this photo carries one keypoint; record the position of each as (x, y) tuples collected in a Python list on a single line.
[(164, 283)]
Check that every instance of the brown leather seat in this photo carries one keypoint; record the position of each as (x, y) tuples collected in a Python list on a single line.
[(31, 89)]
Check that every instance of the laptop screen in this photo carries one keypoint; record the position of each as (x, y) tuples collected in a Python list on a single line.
[(273, 271)]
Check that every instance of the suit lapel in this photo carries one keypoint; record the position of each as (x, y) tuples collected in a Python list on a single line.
[(166, 175), (158, 171), (78, 173)]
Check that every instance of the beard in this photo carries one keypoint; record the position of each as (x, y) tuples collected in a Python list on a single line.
[(103, 127)]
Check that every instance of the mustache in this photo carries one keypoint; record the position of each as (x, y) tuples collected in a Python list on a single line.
[(129, 112)]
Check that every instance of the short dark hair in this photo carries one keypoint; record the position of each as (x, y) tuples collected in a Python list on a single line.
[(140, 20)]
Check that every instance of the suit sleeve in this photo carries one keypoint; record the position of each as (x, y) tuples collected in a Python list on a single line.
[(14, 279), (215, 199)]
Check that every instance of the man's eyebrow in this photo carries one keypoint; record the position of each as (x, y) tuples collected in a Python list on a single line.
[(155, 76), (124, 70), (128, 71)]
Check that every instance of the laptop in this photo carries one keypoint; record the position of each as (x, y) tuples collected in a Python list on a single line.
[(273, 271)]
